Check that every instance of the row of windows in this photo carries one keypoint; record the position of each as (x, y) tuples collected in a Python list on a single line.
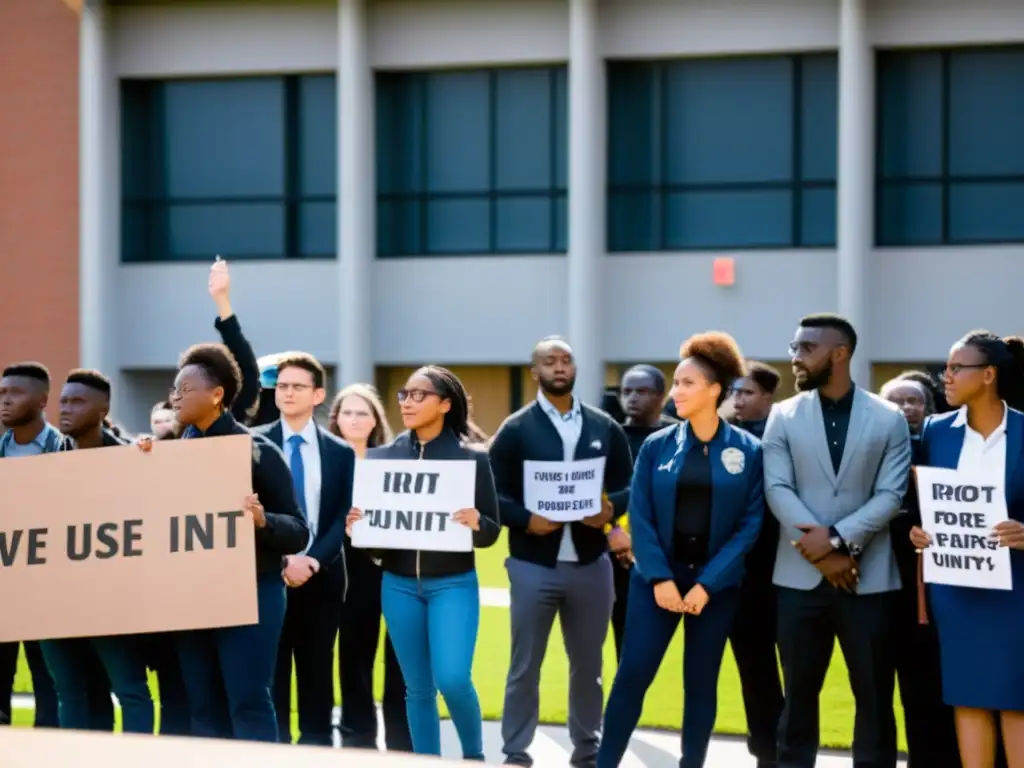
[(703, 154)]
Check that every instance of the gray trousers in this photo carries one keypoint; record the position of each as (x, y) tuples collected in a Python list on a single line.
[(582, 597)]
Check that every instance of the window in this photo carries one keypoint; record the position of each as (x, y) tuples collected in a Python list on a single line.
[(471, 162), (951, 160), (244, 168), (722, 153)]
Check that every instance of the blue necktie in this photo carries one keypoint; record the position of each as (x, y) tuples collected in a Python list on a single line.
[(298, 472)]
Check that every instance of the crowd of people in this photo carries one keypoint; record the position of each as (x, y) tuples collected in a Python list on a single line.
[(780, 527)]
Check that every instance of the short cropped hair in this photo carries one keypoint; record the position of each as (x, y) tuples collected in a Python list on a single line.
[(306, 362), (836, 323), (219, 366), (766, 377), (654, 373), (91, 379), (31, 370), (719, 355)]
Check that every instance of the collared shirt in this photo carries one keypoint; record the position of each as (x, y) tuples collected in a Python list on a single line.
[(310, 452), (836, 414), (979, 453), (569, 426), (35, 447)]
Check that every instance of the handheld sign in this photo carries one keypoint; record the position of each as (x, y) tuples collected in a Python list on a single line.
[(563, 491), (959, 511), (408, 504), (97, 542)]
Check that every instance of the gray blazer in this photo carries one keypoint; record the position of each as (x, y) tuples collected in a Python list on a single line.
[(802, 488)]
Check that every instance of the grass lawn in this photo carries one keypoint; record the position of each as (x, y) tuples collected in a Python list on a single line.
[(663, 707)]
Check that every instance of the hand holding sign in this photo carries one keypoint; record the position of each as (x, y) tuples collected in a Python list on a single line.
[(602, 518), (469, 518), (1010, 533), (354, 516), (541, 526), (920, 539), (252, 507)]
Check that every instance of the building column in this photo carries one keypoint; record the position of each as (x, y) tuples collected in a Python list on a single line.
[(357, 240), (587, 161), (856, 174), (99, 194)]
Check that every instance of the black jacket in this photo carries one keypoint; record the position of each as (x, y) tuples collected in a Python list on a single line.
[(231, 335), (760, 561), (529, 435), (285, 532), (447, 445), (337, 468)]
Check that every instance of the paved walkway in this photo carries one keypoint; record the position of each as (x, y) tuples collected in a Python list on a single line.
[(552, 748)]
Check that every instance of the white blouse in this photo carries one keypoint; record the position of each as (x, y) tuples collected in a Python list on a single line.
[(979, 453)]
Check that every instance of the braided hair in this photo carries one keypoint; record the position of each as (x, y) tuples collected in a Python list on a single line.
[(450, 388)]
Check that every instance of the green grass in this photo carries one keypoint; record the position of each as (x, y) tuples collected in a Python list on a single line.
[(663, 706)]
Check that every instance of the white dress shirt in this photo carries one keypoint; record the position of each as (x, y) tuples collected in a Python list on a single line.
[(569, 426), (310, 452), (979, 453)]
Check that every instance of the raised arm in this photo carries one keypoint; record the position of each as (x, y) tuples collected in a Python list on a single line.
[(507, 468), (230, 331), (890, 486), (780, 477)]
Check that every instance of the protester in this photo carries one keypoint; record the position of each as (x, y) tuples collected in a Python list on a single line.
[(84, 405), (230, 330), (358, 417), (641, 395), (161, 421), (24, 393), (983, 374), (238, 661), (836, 462), (322, 468), (554, 568), (913, 398), (431, 600), (696, 503), (754, 633)]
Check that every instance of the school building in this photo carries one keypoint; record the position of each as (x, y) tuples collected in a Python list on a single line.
[(405, 181)]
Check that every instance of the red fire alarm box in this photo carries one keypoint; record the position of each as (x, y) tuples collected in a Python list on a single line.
[(724, 270)]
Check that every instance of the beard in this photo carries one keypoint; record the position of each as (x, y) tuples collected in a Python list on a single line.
[(815, 379), (549, 387), (19, 420)]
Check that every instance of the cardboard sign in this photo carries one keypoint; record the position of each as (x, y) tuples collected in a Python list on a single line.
[(113, 541), (959, 511), (563, 491), (408, 504)]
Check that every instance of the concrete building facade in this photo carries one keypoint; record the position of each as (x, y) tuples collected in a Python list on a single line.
[(405, 181)]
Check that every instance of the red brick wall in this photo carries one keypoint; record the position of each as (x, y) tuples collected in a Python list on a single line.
[(39, 183)]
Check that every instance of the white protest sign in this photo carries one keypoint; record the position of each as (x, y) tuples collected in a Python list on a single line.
[(563, 491), (408, 504), (959, 511)]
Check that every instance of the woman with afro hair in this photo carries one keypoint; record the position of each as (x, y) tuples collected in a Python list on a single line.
[(696, 506)]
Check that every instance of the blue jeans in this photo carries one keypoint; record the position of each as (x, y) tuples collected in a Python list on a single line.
[(649, 630), (433, 624), (124, 660), (229, 672)]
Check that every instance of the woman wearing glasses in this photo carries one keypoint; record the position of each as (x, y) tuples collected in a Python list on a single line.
[(237, 661), (984, 380), (431, 600)]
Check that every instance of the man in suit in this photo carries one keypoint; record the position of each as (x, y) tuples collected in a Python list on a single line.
[(836, 464), (556, 568), (322, 468)]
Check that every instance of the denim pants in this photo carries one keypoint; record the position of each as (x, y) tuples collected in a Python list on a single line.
[(123, 658), (229, 673), (433, 624), (649, 630)]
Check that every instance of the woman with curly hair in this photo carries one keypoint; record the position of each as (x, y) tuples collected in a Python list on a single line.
[(695, 509)]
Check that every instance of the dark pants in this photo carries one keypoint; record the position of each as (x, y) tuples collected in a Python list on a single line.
[(71, 663), (753, 645), (809, 624), (229, 672), (46, 715), (649, 631), (358, 640), (175, 719), (310, 629), (620, 579)]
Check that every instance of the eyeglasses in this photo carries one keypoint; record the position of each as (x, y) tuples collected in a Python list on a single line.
[(284, 386), (175, 392), (956, 368), (416, 395)]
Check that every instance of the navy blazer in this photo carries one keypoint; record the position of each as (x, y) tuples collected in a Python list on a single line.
[(737, 504), (337, 471), (941, 443)]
